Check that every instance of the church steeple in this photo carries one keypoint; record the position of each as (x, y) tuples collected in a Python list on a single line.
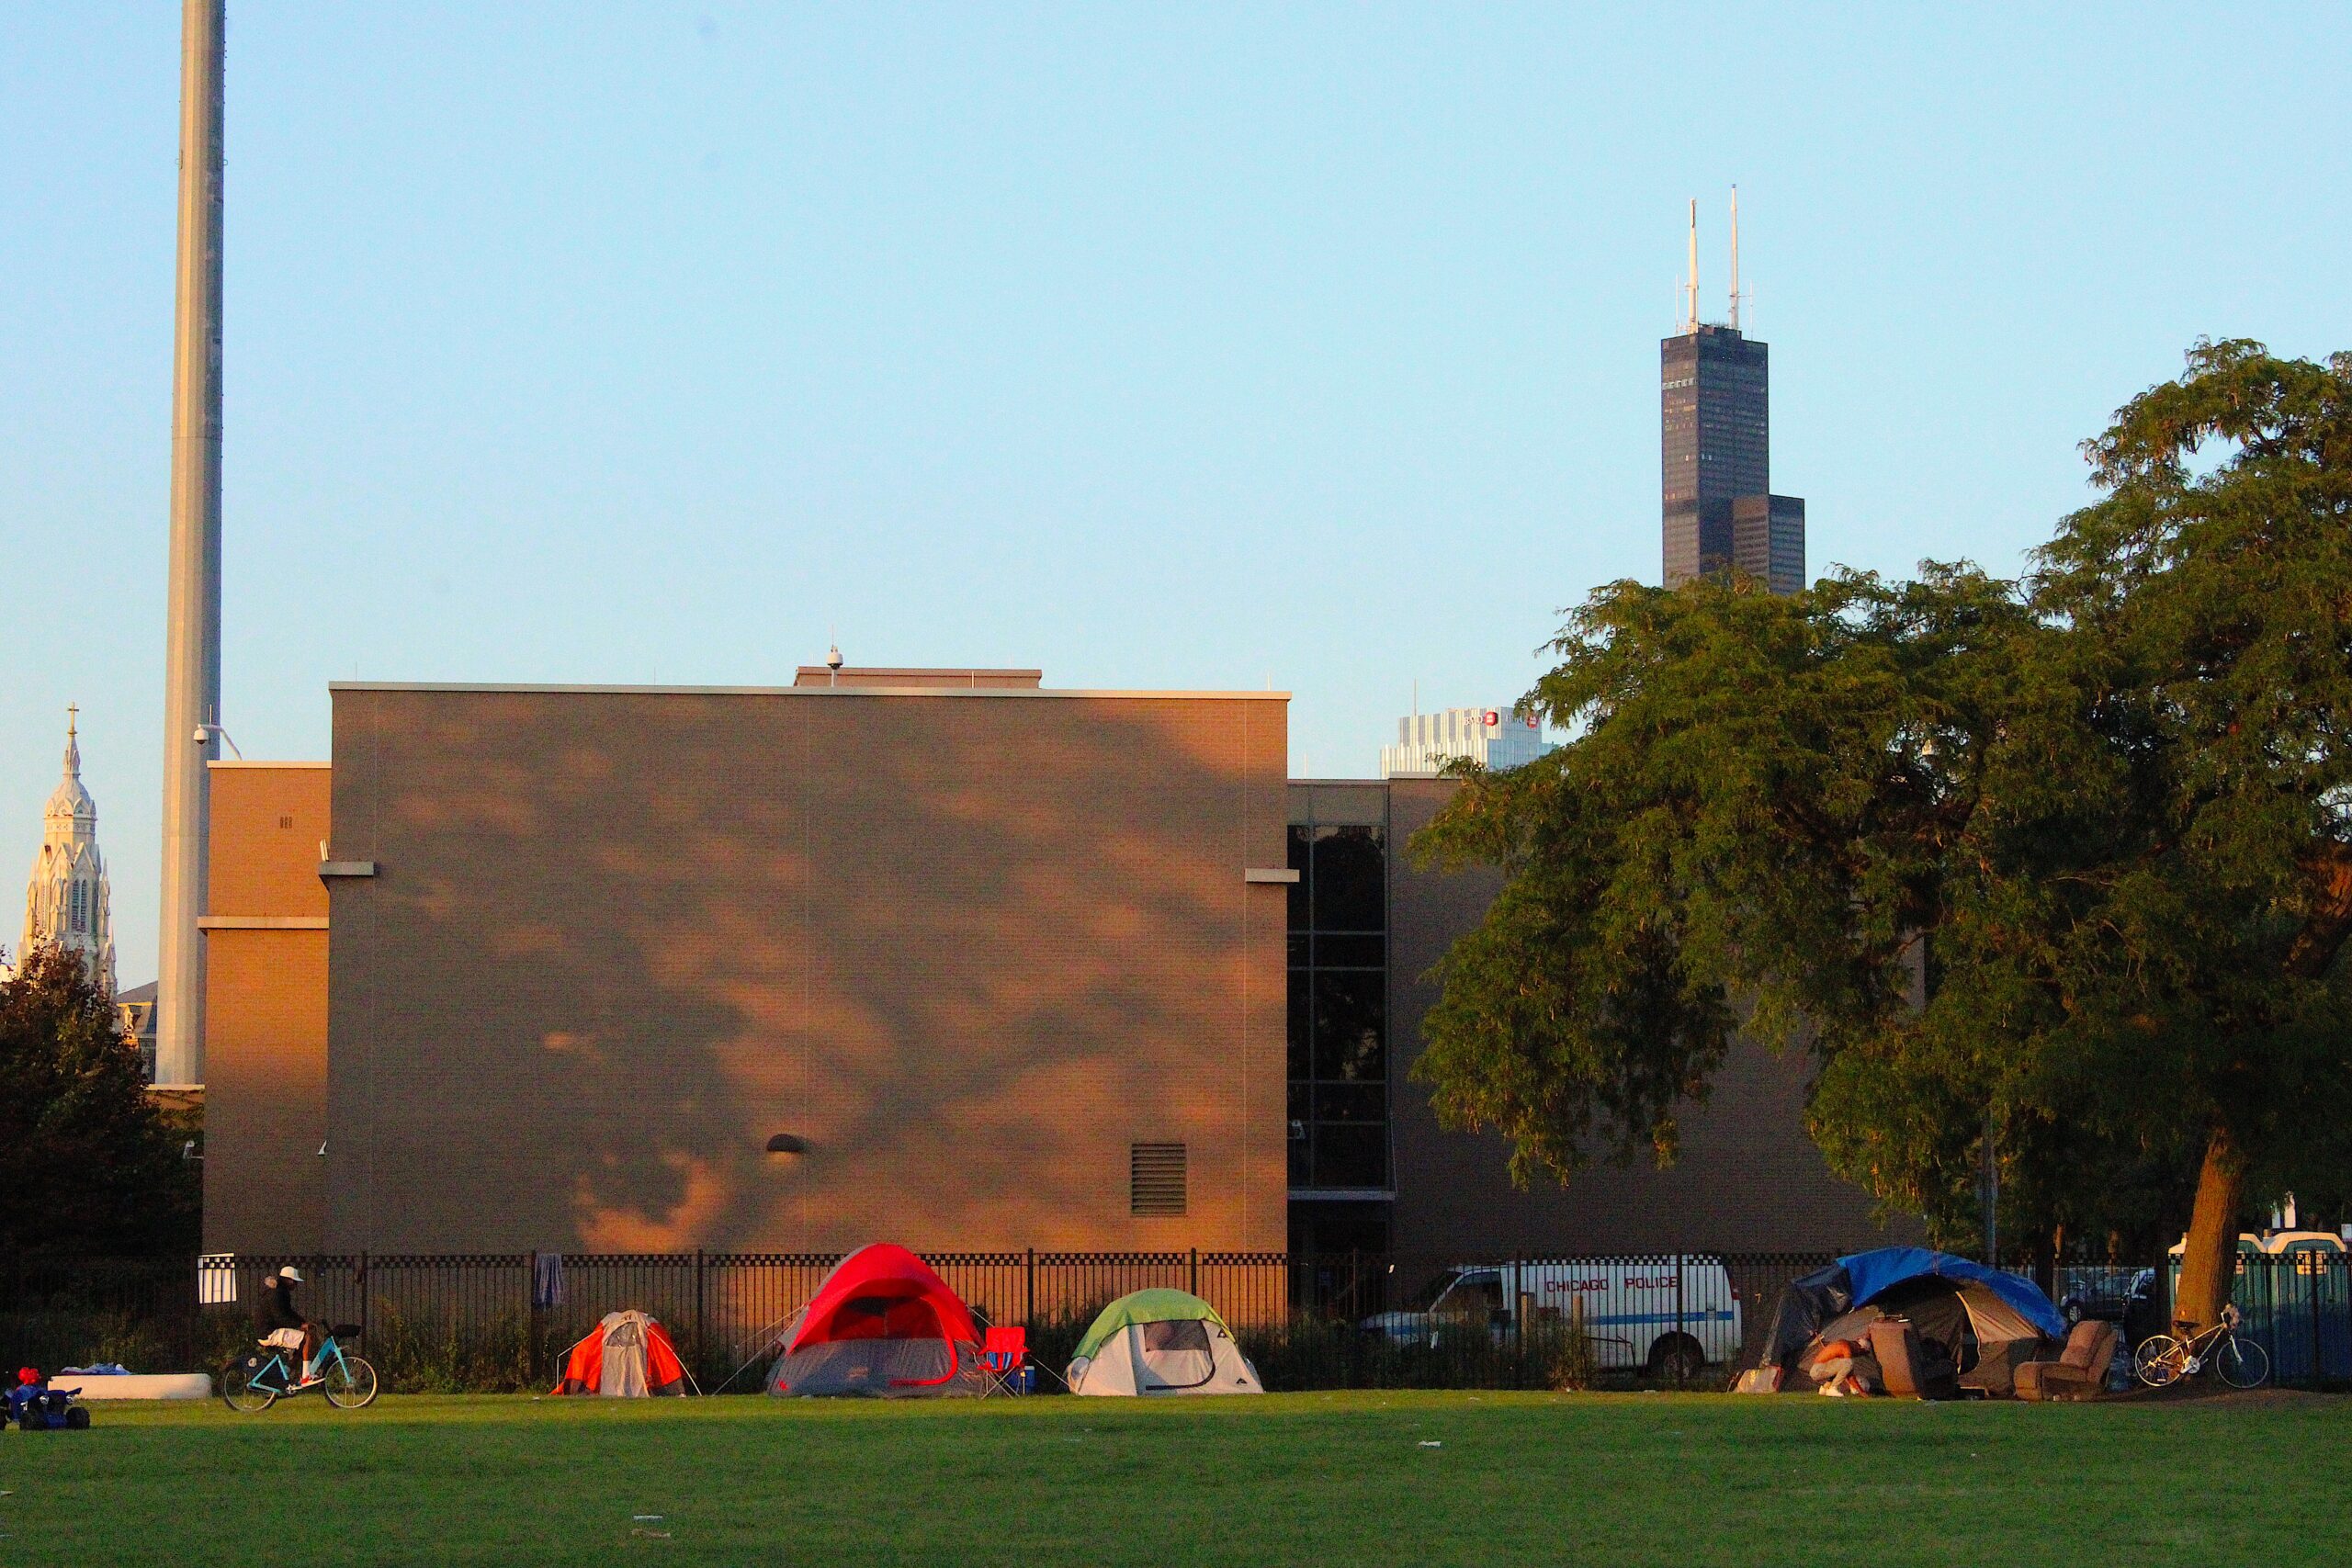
[(70, 802), (67, 900)]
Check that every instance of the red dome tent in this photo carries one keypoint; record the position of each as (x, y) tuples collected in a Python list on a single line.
[(885, 1325)]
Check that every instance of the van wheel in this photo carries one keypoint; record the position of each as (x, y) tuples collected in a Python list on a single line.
[(1677, 1359)]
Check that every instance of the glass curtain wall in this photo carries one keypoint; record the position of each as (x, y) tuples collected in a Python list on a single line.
[(1339, 1007)]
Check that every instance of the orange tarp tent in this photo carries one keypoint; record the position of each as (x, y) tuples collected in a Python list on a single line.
[(628, 1356)]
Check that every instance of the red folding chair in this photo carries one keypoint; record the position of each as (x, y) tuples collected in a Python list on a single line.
[(1005, 1354)]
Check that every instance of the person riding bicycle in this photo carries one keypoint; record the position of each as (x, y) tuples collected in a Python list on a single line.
[(283, 1324)]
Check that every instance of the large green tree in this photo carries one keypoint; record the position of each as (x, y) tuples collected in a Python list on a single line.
[(2056, 868), (2209, 598), (89, 1164)]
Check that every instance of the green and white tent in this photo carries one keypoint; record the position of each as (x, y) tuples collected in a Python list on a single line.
[(1160, 1342)]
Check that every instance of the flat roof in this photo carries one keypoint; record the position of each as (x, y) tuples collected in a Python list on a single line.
[(260, 762), (1016, 693)]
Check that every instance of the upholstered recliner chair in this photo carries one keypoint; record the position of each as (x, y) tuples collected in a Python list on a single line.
[(2080, 1370), (1911, 1370)]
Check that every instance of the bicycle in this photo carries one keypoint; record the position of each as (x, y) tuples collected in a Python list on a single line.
[(2163, 1359), (259, 1378)]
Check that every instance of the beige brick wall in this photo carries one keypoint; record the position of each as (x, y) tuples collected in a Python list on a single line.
[(969, 947), (265, 1011)]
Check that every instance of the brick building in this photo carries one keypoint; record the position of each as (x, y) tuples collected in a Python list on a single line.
[(945, 957), (266, 1008)]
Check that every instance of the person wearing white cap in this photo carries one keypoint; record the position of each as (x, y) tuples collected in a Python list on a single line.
[(283, 1324)]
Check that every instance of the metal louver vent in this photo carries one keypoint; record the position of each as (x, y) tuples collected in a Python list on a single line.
[(1156, 1180)]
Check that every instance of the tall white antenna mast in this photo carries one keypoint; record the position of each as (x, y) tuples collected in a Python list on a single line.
[(1691, 290), (1734, 258)]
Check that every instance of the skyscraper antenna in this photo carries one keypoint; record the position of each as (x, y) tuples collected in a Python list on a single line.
[(1691, 290), (1734, 258)]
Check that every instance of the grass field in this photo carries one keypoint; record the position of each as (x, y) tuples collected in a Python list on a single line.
[(1320, 1479)]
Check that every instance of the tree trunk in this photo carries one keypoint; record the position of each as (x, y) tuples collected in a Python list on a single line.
[(2045, 1263), (2209, 1263)]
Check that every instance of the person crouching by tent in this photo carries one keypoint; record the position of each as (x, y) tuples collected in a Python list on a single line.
[(627, 1356)]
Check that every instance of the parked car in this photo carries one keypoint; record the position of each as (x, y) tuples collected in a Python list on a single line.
[(2105, 1293), (1671, 1316)]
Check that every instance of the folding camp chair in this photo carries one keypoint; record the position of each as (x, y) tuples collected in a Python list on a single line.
[(1006, 1356)]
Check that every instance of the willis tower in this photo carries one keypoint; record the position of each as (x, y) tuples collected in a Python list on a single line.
[(1715, 399)]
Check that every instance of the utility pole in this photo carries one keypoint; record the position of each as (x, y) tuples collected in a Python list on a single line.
[(192, 633)]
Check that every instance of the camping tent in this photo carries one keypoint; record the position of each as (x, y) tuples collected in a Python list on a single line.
[(1157, 1342), (882, 1324), (1984, 1322), (627, 1356)]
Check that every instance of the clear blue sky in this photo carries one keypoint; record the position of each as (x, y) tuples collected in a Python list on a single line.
[(1156, 346)]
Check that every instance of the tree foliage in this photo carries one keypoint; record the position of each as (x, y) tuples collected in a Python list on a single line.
[(88, 1163), (2210, 599), (2064, 864)]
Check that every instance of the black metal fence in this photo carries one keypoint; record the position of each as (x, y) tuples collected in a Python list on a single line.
[(2296, 1304), (504, 1320), (140, 1312), (722, 1307)]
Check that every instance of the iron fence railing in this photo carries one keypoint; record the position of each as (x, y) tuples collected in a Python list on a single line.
[(503, 1320)]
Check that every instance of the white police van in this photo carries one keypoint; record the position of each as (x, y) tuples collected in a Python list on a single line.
[(1671, 1316)]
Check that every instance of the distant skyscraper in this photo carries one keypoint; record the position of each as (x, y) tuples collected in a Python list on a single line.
[(1492, 738), (1715, 400)]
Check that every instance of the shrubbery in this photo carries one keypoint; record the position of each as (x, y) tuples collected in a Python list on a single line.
[(87, 1160)]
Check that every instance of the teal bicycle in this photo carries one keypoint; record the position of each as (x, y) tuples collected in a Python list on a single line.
[(259, 1378)]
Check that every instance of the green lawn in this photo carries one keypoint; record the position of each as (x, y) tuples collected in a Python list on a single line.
[(1319, 1479)]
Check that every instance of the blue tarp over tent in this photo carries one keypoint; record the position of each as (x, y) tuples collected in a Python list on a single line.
[(1912, 1282), (1871, 1273)]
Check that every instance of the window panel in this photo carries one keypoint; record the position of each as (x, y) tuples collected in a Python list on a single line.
[(1302, 1027), (1350, 1025), (1350, 1102), (1349, 1155), (1350, 879), (1350, 951)]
